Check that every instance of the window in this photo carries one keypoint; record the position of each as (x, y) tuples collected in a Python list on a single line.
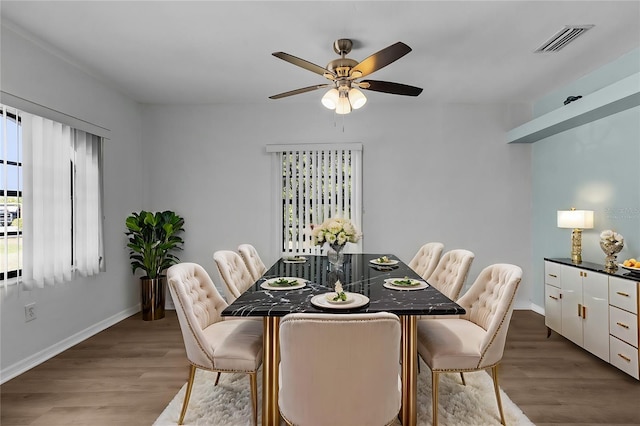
[(11, 196), (314, 183), (53, 184)]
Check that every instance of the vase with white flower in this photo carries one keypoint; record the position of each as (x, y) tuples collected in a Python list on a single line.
[(336, 233), (611, 244)]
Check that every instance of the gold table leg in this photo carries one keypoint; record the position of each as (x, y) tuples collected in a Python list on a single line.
[(270, 364), (409, 349)]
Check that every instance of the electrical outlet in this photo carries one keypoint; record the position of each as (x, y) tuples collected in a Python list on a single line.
[(30, 312)]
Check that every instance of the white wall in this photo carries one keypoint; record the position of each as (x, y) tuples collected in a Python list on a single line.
[(68, 313), (431, 173)]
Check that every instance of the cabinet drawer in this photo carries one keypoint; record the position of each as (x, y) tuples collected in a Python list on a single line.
[(623, 325), (623, 294), (623, 356), (552, 274), (553, 308)]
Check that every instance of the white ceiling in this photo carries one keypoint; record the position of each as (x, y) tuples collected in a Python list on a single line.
[(180, 52)]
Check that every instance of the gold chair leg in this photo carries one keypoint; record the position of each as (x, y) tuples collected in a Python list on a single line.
[(217, 379), (187, 395), (494, 374), (254, 397), (434, 396), (462, 377)]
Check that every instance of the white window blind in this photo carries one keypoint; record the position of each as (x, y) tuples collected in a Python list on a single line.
[(60, 225), (316, 182)]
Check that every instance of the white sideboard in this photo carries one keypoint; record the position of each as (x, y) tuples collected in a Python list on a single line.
[(596, 310)]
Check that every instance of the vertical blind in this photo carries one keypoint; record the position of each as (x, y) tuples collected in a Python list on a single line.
[(61, 202), (316, 182)]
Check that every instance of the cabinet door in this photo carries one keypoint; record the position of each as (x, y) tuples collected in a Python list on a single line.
[(595, 301), (553, 308), (572, 304)]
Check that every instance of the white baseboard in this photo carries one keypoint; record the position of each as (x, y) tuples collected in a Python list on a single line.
[(38, 358), (527, 306)]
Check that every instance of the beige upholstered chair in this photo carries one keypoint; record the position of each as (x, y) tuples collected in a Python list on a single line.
[(473, 341), (234, 273), (426, 259), (212, 343), (451, 272), (340, 369), (252, 260)]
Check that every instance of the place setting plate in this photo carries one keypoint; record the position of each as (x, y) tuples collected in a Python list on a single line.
[(404, 284), (384, 262), (294, 259), (284, 283), (630, 268), (325, 301)]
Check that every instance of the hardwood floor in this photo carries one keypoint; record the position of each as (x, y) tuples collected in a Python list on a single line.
[(127, 374)]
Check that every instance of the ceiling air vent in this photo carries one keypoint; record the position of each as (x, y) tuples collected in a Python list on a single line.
[(563, 37)]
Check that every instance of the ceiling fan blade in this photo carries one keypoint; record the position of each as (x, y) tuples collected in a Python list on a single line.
[(298, 91), (303, 64), (389, 87), (381, 59)]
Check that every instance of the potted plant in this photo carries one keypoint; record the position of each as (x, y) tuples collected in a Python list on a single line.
[(152, 239)]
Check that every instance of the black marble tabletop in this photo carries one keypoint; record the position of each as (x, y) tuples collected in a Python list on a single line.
[(357, 275)]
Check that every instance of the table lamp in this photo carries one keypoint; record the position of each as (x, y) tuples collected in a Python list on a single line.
[(577, 220)]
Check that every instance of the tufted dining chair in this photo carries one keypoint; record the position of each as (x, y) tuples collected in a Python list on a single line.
[(252, 260), (451, 272), (426, 259), (211, 342), (473, 341), (327, 365), (234, 273)]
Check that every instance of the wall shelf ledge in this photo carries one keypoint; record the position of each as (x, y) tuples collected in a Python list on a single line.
[(609, 100)]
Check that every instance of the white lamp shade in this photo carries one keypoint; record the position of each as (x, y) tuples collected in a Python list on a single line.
[(357, 98), (330, 99), (343, 107), (581, 219)]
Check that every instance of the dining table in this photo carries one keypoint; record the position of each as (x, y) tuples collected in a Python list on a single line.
[(371, 279)]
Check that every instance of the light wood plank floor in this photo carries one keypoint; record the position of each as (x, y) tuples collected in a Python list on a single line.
[(127, 374)]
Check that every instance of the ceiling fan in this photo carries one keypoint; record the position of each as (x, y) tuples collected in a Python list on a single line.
[(344, 73)]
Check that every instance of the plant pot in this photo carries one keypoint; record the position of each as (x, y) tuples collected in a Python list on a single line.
[(152, 297)]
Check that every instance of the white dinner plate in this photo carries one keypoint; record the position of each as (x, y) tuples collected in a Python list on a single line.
[(267, 285), (390, 262), (354, 300), (629, 268), (294, 259), (389, 283)]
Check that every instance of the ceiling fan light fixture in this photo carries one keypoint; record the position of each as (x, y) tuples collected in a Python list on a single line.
[(357, 98), (343, 106), (330, 99)]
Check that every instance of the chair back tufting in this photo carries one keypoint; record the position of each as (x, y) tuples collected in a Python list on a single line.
[(426, 259), (252, 260)]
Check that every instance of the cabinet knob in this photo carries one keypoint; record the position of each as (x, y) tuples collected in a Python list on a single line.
[(553, 275), (579, 309), (622, 325), (553, 297), (621, 293)]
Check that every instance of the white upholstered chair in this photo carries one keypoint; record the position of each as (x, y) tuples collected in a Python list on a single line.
[(340, 369), (252, 260), (234, 273), (426, 259), (211, 342), (473, 341), (451, 272)]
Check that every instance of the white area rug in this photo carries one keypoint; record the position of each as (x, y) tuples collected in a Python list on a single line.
[(228, 403)]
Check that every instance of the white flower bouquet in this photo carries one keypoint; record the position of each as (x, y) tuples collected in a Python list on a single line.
[(335, 231)]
